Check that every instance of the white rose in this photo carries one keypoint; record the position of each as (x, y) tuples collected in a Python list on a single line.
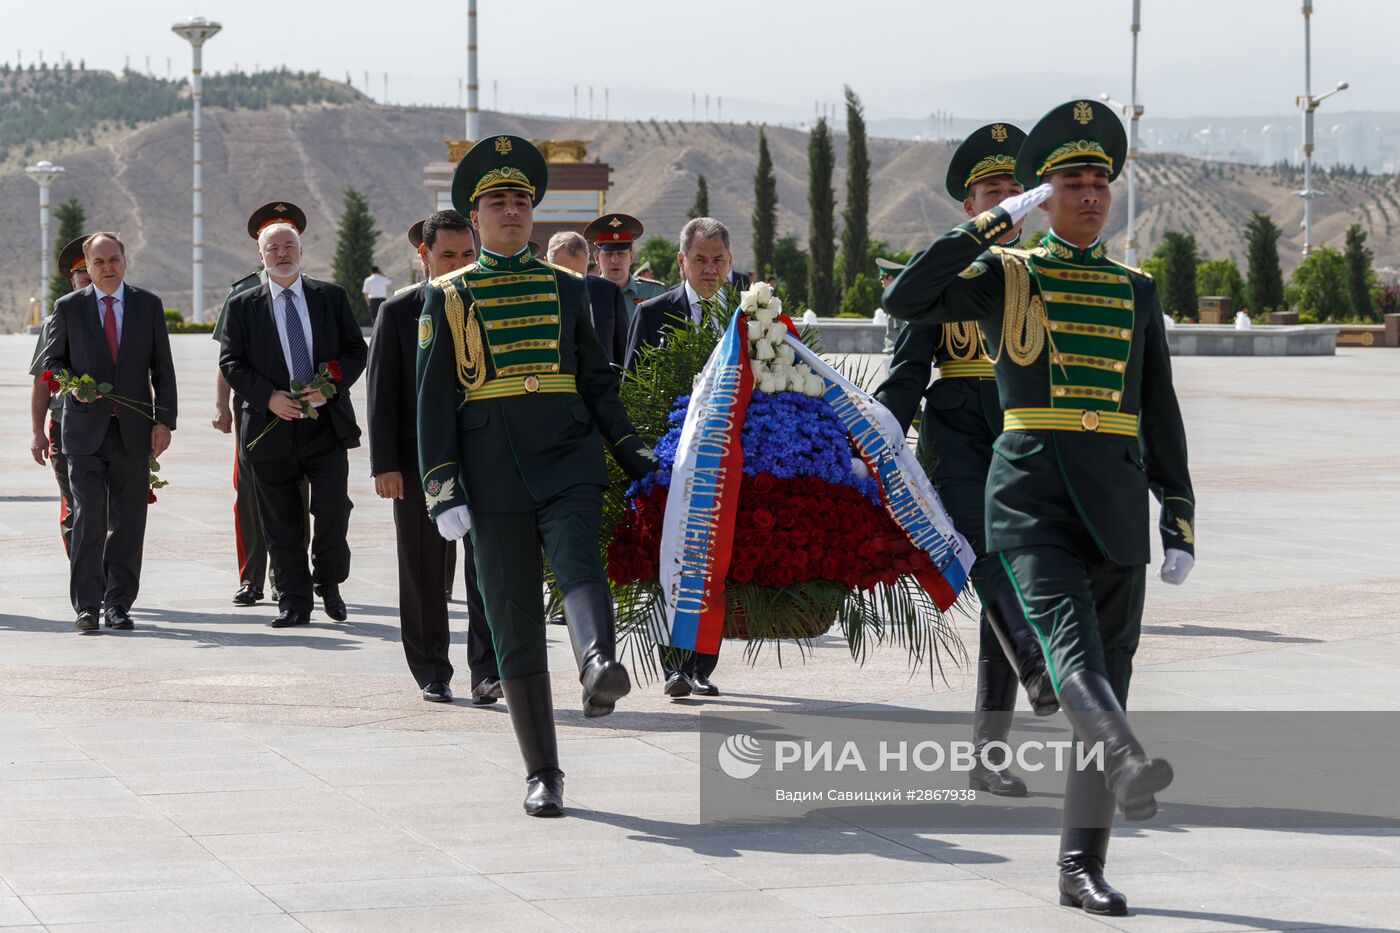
[(775, 306), (755, 331), (763, 292), (785, 353), (757, 368), (764, 350), (768, 385), (815, 385), (748, 300), (764, 316), (776, 332)]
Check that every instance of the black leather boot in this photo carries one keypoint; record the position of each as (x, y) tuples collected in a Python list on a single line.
[(531, 706), (1097, 717), (996, 697), (588, 610), (1082, 885), (1021, 645)]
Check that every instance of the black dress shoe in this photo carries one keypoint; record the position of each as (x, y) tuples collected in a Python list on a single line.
[(700, 684), (118, 619), (247, 595), (544, 793), (1082, 885), (486, 691), (87, 621), (330, 599), (289, 617), (438, 692), (1000, 783), (677, 685)]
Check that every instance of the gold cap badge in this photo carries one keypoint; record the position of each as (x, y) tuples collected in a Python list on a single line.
[(998, 133), (503, 144), (1083, 113)]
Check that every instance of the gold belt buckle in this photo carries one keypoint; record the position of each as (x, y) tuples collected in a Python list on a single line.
[(1089, 421), (532, 383)]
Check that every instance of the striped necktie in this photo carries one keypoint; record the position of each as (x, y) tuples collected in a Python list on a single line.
[(296, 339)]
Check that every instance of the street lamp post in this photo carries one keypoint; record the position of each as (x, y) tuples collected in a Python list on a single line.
[(44, 174), (196, 32), (1307, 103), (1133, 110)]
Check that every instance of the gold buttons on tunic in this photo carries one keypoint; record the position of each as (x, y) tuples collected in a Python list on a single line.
[(1090, 421), (532, 383)]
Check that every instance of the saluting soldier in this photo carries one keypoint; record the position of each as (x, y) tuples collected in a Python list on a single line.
[(515, 398), (1091, 424), (615, 236), (961, 419), (250, 541), (50, 446), (445, 243)]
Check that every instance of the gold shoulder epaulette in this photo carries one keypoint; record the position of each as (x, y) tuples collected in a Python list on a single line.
[(557, 268), (1123, 265), (454, 274)]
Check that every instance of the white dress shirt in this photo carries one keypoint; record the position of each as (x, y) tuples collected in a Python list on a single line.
[(697, 311), (279, 315), (376, 286), (118, 306)]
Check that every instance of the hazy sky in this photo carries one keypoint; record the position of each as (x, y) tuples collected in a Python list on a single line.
[(768, 59)]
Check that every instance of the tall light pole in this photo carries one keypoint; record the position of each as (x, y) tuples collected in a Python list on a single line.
[(196, 32), (1133, 110), (44, 174), (473, 126), (1307, 103)]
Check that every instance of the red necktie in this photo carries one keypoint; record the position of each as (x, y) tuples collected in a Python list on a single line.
[(109, 327)]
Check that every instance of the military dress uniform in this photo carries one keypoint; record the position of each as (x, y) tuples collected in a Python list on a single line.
[(515, 399), (618, 232), (250, 541), (961, 420), (1091, 424)]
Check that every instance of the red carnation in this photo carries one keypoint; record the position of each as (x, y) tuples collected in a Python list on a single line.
[(333, 370)]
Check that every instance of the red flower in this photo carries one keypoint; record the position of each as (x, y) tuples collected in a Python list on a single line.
[(150, 496), (762, 518), (741, 573), (333, 370), (763, 483)]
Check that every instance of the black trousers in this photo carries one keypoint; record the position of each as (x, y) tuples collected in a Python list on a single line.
[(317, 457), (423, 557), (250, 541), (109, 489)]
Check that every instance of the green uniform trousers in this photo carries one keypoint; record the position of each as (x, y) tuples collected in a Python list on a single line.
[(59, 460), (509, 547), (1088, 612)]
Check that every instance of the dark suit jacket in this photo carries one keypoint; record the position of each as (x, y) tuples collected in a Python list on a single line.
[(143, 371), (392, 387), (251, 358), (739, 280), (653, 318), (609, 317)]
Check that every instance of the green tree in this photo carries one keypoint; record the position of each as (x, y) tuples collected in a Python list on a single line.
[(862, 296), (1221, 277), (1319, 285), (855, 229), (661, 253), (821, 229), (1177, 286), (354, 251), (72, 218), (790, 266), (1262, 269), (701, 205), (765, 209), (1360, 278)]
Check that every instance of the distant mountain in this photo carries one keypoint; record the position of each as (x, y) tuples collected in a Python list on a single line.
[(137, 181)]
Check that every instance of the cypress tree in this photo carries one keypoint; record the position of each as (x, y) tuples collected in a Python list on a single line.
[(1263, 271), (701, 205), (821, 232), (1358, 257), (855, 230), (71, 219), (1177, 252), (765, 209), (354, 251)]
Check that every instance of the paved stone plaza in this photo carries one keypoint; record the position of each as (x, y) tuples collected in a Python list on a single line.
[(206, 772)]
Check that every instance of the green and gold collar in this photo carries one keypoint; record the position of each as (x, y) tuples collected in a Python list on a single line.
[(498, 263), (1093, 255)]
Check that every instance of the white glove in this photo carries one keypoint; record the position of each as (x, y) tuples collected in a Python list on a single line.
[(1175, 566), (1019, 205), (455, 523)]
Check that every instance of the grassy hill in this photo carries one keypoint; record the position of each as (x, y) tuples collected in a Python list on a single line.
[(137, 181)]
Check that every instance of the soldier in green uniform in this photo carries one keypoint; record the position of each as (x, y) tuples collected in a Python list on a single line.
[(887, 270), (616, 236), (1091, 424), (250, 543), (515, 399), (961, 419), (41, 401)]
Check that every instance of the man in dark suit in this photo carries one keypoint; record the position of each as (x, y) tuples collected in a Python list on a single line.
[(570, 250), (278, 333), (704, 262), (115, 333), (445, 243)]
